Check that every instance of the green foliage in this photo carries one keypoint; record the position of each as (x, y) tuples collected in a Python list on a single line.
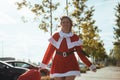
[(117, 27), (87, 30), (116, 49), (43, 12), (117, 52), (21, 4)]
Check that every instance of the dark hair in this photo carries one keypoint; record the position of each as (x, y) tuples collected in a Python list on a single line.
[(67, 18)]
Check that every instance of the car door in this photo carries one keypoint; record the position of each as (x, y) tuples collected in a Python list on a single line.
[(5, 73)]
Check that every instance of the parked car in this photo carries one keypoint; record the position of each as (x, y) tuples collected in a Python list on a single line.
[(27, 65), (9, 72), (22, 64)]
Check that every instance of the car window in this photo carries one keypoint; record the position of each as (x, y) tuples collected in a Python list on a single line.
[(21, 64), (25, 65), (18, 64), (12, 64)]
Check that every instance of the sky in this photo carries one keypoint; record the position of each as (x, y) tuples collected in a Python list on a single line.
[(26, 41)]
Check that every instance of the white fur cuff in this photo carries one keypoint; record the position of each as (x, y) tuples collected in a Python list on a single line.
[(92, 67), (43, 66)]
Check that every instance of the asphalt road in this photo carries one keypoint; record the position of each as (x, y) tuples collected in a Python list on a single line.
[(106, 73)]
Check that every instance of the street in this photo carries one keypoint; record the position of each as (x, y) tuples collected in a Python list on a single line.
[(106, 73)]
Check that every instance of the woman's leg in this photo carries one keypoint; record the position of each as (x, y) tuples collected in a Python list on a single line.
[(59, 78), (70, 78)]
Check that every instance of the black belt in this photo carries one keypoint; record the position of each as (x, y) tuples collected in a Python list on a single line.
[(65, 54)]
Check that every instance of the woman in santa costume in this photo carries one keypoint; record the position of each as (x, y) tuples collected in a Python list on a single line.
[(64, 44)]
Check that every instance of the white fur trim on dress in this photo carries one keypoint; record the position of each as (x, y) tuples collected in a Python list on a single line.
[(70, 73), (55, 43), (73, 44), (43, 66), (67, 37), (64, 35), (92, 67)]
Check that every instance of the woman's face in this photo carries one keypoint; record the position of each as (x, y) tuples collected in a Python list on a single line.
[(66, 25)]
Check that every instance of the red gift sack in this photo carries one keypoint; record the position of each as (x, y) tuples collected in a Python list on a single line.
[(31, 74)]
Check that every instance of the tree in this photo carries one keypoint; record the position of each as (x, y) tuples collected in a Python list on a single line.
[(43, 11), (85, 28), (67, 7), (116, 48), (79, 14)]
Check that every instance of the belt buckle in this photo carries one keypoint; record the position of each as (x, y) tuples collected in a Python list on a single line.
[(64, 54)]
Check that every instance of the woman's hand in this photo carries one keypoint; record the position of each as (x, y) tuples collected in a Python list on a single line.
[(93, 68)]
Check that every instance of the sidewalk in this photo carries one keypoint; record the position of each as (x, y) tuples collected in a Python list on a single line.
[(106, 73)]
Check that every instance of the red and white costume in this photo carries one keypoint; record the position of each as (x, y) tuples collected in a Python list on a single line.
[(64, 66)]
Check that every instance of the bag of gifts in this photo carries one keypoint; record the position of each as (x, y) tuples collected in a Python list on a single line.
[(31, 74)]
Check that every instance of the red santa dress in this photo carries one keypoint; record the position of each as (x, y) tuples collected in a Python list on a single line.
[(64, 65)]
